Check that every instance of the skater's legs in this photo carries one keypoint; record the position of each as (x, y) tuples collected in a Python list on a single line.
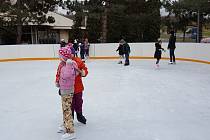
[(127, 59), (172, 55), (121, 57), (77, 102), (158, 60), (67, 113)]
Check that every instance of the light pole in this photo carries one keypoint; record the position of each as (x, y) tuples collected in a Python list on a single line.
[(104, 22), (198, 27), (198, 23)]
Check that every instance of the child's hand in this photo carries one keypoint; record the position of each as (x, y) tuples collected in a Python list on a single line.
[(57, 84), (78, 71), (81, 72)]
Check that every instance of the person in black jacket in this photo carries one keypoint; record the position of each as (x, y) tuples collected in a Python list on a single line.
[(82, 51), (121, 53), (171, 47), (76, 47), (62, 43), (126, 50), (158, 52)]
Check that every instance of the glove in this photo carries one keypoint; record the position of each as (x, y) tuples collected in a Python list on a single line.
[(83, 73), (70, 61), (57, 84)]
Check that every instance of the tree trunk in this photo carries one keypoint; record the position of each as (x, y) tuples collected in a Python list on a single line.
[(184, 35), (201, 28), (19, 24), (19, 34), (104, 26)]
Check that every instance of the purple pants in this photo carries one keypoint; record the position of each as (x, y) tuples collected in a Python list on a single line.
[(77, 102)]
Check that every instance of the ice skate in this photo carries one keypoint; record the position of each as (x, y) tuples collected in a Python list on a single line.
[(170, 63), (120, 62), (61, 129), (72, 113), (157, 66), (81, 118), (126, 64), (68, 136)]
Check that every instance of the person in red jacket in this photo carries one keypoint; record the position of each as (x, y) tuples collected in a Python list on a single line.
[(78, 90), (77, 102)]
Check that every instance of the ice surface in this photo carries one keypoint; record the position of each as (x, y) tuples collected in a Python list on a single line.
[(137, 102)]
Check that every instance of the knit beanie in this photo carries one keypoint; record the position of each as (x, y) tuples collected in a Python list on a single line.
[(70, 46), (122, 41), (65, 53)]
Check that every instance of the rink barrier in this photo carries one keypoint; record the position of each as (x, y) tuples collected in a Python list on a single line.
[(101, 58), (139, 57), (193, 52), (26, 59)]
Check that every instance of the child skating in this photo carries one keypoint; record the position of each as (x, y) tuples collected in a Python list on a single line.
[(77, 101), (158, 52), (121, 53), (65, 80)]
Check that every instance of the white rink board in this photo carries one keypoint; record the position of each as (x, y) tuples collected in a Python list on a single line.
[(194, 51)]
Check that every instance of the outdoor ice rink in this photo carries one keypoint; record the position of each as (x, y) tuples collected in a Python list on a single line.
[(137, 102)]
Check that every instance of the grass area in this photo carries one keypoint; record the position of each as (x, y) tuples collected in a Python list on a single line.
[(165, 37), (206, 33), (186, 40)]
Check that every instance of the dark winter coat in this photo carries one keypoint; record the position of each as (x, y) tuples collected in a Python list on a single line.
[(126, 48), (62, 44), (172, 41), (82, 48), (158, 51), (120, 49), (76, 46)]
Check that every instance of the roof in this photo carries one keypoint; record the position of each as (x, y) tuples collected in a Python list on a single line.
[(61, 22)]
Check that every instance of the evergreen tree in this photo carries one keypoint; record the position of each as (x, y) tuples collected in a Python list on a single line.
[(135, 20), (135, 17), (117, 22), (153, 21), (130, 19), (78, 8), (202, 8), (94, 22), (189, 11)]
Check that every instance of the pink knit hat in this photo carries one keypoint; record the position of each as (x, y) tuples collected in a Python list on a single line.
[(65, 53)]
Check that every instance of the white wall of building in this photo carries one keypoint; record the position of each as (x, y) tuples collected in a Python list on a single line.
[(193, 51)]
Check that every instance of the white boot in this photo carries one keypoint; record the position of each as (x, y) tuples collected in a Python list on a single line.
[(61, 129), (157, 66), (170, 62), (68, 136), (120, 62)]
